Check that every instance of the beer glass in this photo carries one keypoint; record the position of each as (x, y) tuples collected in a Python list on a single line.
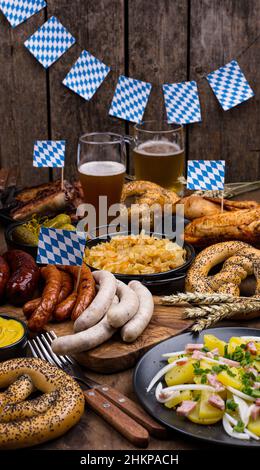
[(158, 153), (101, 167)]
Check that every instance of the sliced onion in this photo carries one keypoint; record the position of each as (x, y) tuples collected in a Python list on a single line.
[(251, 338), (234, 422), (170, 395), (229, 430), (240, 394), (160, 373), (182, 387), (244, 409), (173, 354)]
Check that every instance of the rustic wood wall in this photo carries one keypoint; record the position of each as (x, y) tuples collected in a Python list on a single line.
[(153, 40)]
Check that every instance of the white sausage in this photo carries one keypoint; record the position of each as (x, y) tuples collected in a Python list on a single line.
[(127, 307), (101, 303), (85, 340), (140, 321)]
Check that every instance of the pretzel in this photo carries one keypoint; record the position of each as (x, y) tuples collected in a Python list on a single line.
[(240, 260), (25, 423)]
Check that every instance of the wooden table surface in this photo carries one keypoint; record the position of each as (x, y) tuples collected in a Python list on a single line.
[(93, 433)]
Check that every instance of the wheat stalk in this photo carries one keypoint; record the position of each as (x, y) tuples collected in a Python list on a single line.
[(202, 299), (216, 313)]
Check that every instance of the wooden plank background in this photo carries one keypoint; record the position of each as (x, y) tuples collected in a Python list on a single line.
[(157, 41)]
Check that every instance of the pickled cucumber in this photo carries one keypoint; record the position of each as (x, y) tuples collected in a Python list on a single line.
[(58, 221), (22, 235)]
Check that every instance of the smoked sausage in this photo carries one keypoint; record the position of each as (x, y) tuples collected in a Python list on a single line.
[(24, 277), (4, 276)]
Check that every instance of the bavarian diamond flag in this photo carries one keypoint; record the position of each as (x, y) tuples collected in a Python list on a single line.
[(50, 42), (230, 85), (206, 175), (130, 99), (63, 247), (18, 11), (86, 75), (49, 153), (182, 102)]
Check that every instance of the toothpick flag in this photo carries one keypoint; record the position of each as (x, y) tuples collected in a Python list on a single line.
[(49, 153), (18, 11), (182, 102), (206, 175), (130, 99), (50, 42), (86, 75), (63, 247), (230, 85)]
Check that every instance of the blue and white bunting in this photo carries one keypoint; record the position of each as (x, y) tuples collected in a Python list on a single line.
[(130, 99), (49, 153), (18, 11), (206, 175), (63, 247), (50, 42), (230, 85), (86, 75), (182, 102)]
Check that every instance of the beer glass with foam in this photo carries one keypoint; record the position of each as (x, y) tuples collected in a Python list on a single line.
[(101, 167), (159, 154)]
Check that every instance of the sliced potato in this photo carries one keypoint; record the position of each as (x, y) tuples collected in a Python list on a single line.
[(206, 410), (195, 417), (227, 379), (233, 343), (213, 342), (254, 426), (180, 374), (185, 395)]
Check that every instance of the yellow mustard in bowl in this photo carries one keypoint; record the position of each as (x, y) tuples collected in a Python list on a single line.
[(10, 331)]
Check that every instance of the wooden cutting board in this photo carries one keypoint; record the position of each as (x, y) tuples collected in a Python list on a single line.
[(115, 355)]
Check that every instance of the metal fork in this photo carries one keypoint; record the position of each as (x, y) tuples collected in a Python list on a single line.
[(118, 410)]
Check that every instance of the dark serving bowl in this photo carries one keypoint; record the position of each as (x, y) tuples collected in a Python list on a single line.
[(158, 283), (13, 244), (17, 349)]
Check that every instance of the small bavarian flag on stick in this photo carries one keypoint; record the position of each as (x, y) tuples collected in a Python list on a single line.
[(64, 247), (50, 154), (207, 175)]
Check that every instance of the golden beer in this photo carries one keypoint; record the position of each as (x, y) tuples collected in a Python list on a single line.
[(102, 178), (161, 162)]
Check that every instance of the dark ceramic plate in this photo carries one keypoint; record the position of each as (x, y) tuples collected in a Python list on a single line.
[(150, 364)]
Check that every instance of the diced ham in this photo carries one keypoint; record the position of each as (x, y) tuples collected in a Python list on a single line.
[(251, 347), (257, 402), (186, 407), (217, 402), (230, 363), (182, 361), (214, 382), (198, 355), (255, 412), (190, 347)]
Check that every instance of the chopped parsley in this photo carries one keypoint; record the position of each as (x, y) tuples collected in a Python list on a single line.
[(240, 427), (230, 373), (204, 378), (231, 405), (205, 349), (219, 368), (226, 355), (255, 393)]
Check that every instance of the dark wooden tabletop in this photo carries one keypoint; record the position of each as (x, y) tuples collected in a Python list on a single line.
[(94, 433)]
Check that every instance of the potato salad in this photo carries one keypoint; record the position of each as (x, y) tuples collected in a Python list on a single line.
[(214, 381)]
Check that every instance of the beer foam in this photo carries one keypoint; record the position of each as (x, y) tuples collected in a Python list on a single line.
[(158, 148), (102, 168)]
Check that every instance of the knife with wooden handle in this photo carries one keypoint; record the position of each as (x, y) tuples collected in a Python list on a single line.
[(134, 410), (113, 415)]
